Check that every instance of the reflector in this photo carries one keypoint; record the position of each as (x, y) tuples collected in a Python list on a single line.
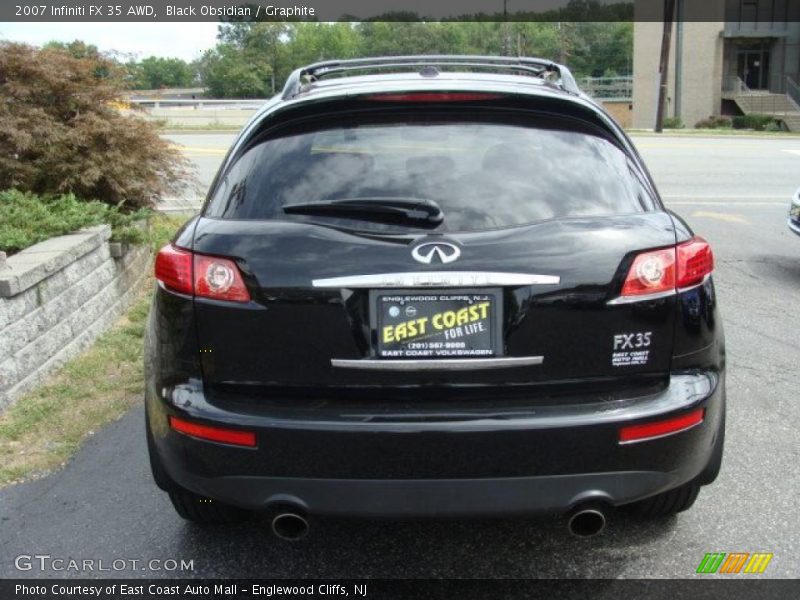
[(214, 434), (656, 429)]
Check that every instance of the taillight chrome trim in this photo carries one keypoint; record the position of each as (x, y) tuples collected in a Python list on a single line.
[(436, 279), (657, 296), (641, 298), (437, 364)]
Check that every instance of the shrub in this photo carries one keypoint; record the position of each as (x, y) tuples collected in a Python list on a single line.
[(714, 122), (672, 123), (26, 219), (753, 121), (60, 133)]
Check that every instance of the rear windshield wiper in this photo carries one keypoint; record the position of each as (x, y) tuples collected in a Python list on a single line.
[(389, 209)]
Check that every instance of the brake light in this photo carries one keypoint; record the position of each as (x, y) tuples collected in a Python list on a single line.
[(433, 97), (669, 269), (657, 429), (174, 269), (200, 275), (695, 261), (218, 278), (214, 434)]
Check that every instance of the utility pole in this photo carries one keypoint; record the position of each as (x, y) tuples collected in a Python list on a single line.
[(663, 65), (506, 33)]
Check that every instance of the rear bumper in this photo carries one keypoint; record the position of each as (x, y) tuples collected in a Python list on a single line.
[(548, 459), (794, 225), (434, 497)]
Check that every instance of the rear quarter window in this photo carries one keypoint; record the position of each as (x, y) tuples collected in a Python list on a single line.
[(483, 175)]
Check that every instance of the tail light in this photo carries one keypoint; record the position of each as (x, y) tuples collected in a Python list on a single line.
[(662, 272), (695, 261), (651, 273), (219, 278), (174, 269), (200, 275)]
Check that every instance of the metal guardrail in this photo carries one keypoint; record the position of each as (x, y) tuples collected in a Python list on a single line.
[(198, 103), (608, 88)]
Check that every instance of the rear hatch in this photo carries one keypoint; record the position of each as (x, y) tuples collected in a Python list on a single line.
[(434, 249)]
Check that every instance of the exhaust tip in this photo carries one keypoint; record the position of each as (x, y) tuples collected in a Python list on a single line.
[(586, 522), (290, 526)]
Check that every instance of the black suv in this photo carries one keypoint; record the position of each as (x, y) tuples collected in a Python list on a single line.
[(434, 286)]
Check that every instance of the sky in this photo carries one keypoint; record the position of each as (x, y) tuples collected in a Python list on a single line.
[(180, 40)]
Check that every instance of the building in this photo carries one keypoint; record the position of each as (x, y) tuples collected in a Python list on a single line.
[(727, 57)]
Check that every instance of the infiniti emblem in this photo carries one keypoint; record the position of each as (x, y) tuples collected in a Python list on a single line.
[(444, 251)]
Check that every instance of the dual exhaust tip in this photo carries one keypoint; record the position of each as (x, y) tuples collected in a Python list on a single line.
[(583, 522), (586, 521), (290, 525)]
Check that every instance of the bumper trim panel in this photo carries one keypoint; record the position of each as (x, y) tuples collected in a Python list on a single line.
[(442, 364)]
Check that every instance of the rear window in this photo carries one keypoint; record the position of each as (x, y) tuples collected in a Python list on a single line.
[(483, 175)]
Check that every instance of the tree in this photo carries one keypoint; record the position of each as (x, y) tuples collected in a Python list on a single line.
[(228, 73), (312, 42), (75, 48), (262, 43), (250, 54), (59, 132), (155, 72)]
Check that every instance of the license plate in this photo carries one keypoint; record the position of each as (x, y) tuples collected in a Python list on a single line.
[(437, 324)]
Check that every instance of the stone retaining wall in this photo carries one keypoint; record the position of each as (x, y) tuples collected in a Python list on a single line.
[(56, 297)]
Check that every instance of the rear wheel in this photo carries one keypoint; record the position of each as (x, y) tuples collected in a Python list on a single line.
[(189, 505), (667, 503), (682, 498)]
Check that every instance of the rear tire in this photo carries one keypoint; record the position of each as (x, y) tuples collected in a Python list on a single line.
[(189, 505), (205, 511), (666, 503)]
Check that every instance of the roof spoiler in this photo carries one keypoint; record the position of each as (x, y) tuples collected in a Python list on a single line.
[(555, 74)]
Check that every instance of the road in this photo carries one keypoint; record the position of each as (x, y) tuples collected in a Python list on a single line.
[(733, 191)]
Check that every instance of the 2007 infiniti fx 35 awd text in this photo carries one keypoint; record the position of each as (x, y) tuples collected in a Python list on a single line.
[(434, 286)]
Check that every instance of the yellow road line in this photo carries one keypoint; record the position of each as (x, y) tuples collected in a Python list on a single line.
[(198, 150), (721, 216)]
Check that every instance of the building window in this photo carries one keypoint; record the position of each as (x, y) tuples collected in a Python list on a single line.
[(749, 11)]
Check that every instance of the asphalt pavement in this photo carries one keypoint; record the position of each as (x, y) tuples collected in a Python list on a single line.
[(734, 192)]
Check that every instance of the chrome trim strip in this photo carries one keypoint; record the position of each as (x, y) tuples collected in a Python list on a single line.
[(696, 285), (794, 228), (632, 299), (436, 279), (436, 364)]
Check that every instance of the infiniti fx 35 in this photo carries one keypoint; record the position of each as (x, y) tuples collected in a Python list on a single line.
[(434, 286)]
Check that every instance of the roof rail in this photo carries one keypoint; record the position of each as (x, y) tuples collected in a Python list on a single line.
[(536, 67)]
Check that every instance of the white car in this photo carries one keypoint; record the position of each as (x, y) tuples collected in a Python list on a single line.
[(794, 213)]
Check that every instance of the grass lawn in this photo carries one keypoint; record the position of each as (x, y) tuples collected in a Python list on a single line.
[(44, 428)]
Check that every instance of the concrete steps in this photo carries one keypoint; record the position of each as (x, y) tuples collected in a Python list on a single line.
[(778, 105), (792, 121)]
